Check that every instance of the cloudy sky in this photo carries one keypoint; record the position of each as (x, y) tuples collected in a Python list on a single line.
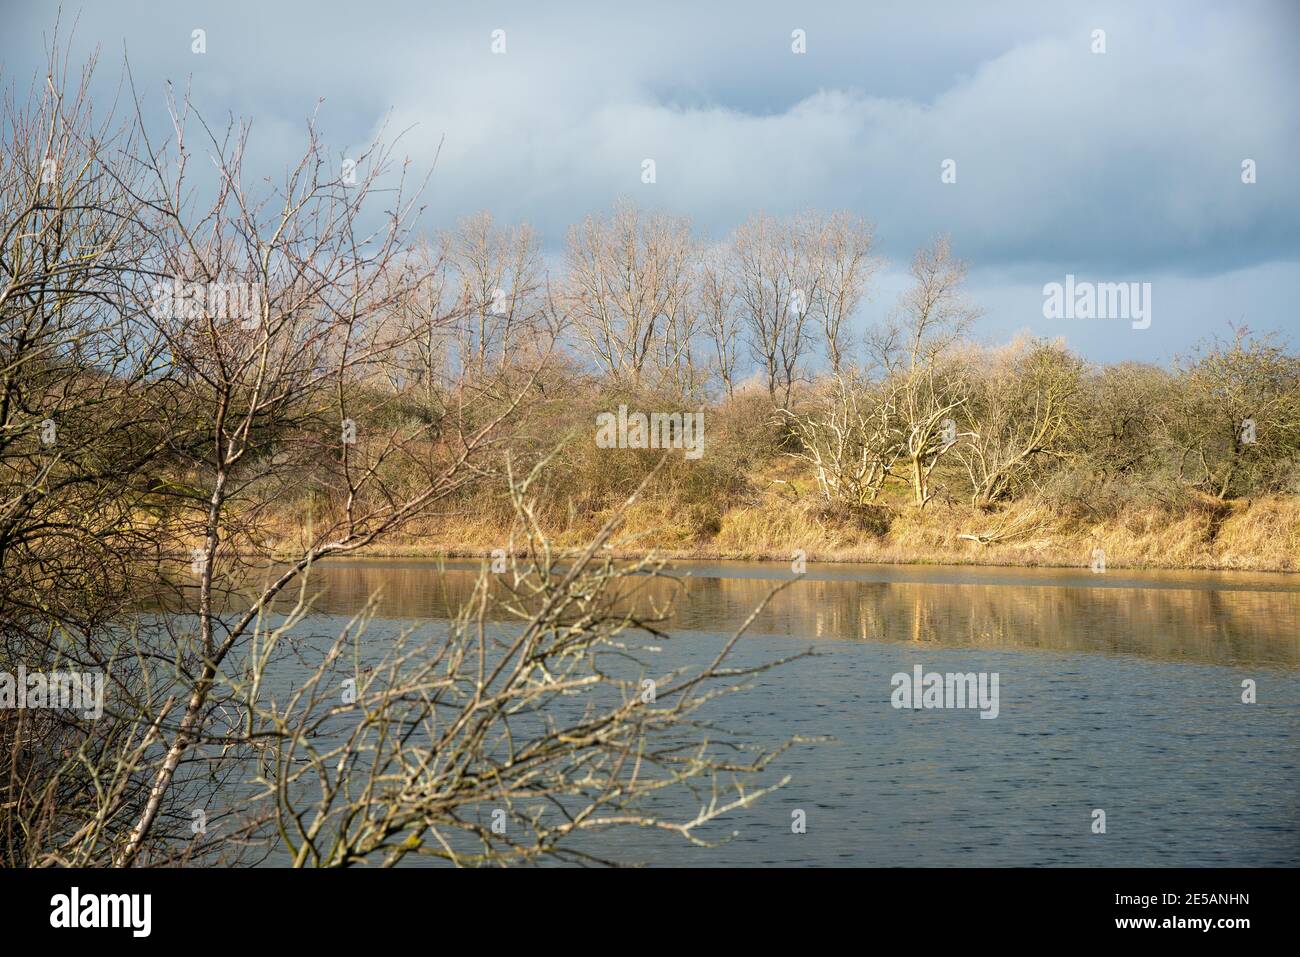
[(1122, 166)]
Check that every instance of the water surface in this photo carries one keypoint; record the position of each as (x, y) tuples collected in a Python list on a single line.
[(1119, 692)]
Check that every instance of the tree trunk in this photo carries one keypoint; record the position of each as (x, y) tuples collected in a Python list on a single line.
[(919, 491)]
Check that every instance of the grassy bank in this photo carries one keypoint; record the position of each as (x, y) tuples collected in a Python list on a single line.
[(1050, 461), (784, 516)]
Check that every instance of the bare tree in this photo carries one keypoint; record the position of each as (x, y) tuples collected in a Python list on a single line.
[(850, 438), (500, 272), (420, 332), (717, 307), (630, 296), (777, 280), (536, 717), (69, 356), (933, 315), (843, 259), (81, 445), (1236, 424), (251, 348), (1021, 402), (1123, 411), (914, 348), (278, 392), (929, 397)]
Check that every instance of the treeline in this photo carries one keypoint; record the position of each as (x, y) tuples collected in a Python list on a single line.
[(640, 300), (643, 308)]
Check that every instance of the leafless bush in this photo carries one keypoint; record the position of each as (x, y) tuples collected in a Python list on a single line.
[(1020, 405), (536, 717), (850, 438), (1235, 422)]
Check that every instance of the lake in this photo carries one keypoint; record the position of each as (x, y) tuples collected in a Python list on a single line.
[(1120, 692)]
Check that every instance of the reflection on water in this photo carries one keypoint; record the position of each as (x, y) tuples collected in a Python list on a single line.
[(1119, 692), (1216, 619)]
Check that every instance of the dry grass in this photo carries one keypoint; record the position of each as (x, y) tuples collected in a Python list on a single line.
[(747, 500), (780, 515)]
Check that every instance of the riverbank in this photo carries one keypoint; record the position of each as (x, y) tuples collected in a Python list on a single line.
[(1260, 534)]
